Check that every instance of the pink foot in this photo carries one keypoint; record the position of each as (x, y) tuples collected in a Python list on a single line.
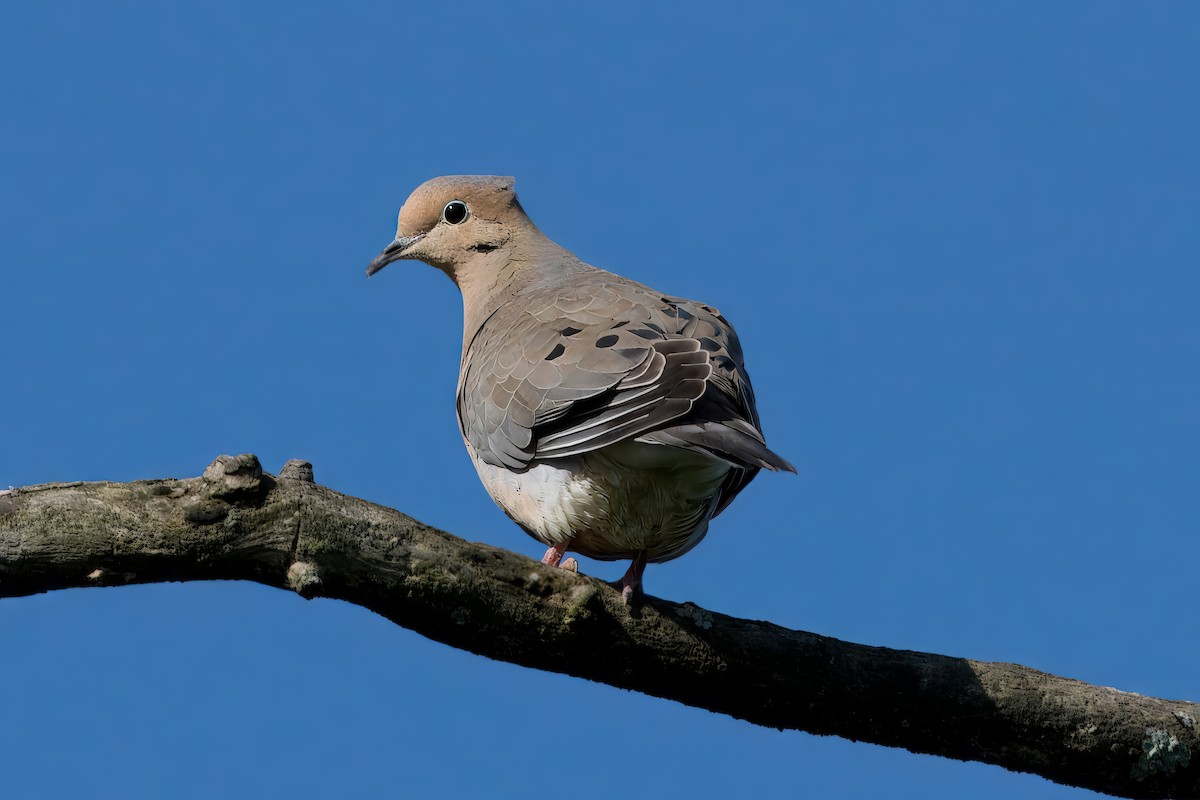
[(554, 555), (631, 581)]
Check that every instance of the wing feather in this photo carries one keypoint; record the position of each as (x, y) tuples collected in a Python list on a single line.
[(559, 372)]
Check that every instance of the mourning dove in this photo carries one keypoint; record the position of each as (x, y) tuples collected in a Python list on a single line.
[(604, 417)]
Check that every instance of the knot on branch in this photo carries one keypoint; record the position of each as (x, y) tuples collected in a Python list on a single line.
[(235, 479), (298, 470), (304, 578)]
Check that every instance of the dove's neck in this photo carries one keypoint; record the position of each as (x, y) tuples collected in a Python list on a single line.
[(519, 265)]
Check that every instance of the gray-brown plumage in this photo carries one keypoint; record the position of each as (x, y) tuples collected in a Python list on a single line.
[(604, 417)]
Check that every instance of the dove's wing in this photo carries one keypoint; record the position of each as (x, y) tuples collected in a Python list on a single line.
[(558, 372)]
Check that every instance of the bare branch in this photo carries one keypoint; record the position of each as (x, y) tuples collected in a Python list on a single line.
[(236, 522)]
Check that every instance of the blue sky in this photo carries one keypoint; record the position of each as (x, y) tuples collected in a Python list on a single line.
[(959, 243)]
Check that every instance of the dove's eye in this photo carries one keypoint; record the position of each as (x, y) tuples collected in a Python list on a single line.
[(455, 212)]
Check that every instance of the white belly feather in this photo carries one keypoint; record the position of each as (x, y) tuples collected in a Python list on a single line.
[(615, 502)]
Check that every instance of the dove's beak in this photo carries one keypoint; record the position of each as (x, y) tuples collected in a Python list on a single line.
[(393, 252)]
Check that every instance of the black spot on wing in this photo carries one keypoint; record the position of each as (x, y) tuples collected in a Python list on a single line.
[(726, 363)]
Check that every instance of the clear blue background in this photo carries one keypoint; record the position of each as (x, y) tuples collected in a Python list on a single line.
[(960, 245)]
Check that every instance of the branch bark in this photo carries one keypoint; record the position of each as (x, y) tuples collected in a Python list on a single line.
[(236, 522)]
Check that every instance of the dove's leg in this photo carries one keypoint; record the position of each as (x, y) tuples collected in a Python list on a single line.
[(554, 557), (631, 582)]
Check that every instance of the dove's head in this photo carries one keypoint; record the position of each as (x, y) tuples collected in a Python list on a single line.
[(450, 222)]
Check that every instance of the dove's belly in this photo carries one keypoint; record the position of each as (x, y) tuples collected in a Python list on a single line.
[(615, 502)]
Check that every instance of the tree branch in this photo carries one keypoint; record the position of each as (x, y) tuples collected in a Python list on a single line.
[(236, 522)]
